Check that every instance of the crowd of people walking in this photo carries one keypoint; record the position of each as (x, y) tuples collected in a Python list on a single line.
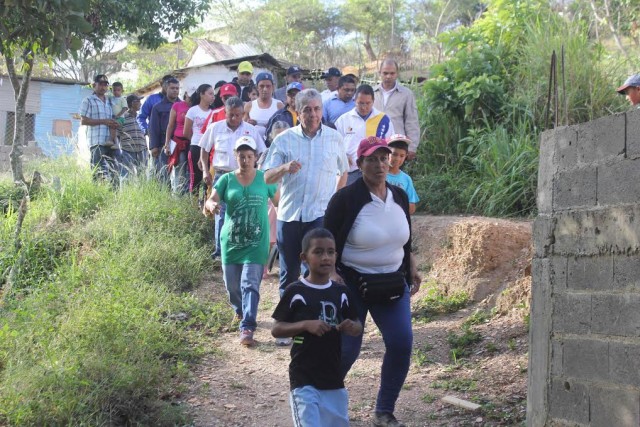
[(318, 175)]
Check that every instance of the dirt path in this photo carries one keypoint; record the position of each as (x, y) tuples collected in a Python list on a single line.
[(238, 386)]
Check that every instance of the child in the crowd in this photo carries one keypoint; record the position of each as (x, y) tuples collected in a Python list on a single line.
[(315, 311), (118, 102), (277, 128), (133, 154), (253, 95), (399, 145), (119, 106)]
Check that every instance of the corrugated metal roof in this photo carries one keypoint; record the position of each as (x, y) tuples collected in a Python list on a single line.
[(221, 51), (59, 80), (261, 60)]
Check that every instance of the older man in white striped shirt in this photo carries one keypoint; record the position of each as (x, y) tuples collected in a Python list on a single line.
[(311, 161)]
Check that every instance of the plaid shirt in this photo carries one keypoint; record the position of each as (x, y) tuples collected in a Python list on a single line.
[(305, 195), (94, 108)]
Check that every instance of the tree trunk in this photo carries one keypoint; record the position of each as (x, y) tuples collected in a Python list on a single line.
[(20, 90), (367, 46), (613, 29)]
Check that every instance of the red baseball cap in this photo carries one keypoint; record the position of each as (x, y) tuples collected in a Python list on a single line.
[(370, 144), (228, 89)]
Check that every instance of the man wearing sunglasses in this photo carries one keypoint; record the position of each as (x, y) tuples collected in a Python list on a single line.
[(96, 114)]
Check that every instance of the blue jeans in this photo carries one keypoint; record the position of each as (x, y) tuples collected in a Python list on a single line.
[(289, 239), (219, 218), (132, 162), (311, 407), (104, 164), (160, 166), (394, 321), (243, 287)]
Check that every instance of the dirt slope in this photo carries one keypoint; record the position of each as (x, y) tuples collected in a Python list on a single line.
[(237, 386)]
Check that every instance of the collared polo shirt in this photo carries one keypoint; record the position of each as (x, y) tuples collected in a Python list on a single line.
[(327, 94), (354, 129), (222, 140), (335, 107), (97, 109), (304, 196)]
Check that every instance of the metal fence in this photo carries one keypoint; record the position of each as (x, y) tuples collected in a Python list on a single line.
[(9, 126)]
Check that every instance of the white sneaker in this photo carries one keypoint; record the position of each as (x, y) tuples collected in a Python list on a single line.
[(283, 342)]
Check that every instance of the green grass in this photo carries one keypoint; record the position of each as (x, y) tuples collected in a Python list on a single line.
[(420, 356), (437, 302), (456, 384), (428, 398), (96, 328), (477, 318), (461, 344)]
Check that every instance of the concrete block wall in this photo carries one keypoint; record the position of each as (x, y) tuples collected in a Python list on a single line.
[(584, 359)]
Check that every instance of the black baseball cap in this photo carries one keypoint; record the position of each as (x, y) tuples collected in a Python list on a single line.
[(294, 69), (331, 72)]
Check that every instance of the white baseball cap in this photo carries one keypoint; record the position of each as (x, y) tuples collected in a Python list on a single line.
[(246, 140)]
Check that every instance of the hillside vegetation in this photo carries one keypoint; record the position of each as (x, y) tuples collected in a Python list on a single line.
[(483, 108), (96, 326)]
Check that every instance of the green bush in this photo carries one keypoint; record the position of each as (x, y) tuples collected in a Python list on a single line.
[(461, 344), (90, 332), (484, 107), (437, 301), (504, 163)]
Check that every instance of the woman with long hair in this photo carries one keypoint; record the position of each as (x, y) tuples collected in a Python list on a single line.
[(194, 119), (176, 146)]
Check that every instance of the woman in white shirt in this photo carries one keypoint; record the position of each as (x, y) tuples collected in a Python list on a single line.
[(372, 225), (201, 99)]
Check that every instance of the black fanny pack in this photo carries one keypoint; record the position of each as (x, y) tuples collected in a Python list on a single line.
[(376, 288)]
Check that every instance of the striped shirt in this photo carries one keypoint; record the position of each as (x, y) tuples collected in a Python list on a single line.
[(354, 129), (131, 136), (97, 109), (306, 194)]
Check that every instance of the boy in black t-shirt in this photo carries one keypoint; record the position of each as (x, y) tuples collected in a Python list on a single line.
[(315, 311)]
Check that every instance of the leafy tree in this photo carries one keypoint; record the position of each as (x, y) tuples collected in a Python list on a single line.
[(87, 63), (151, 64), (301, 31), (618, 19), (56, 29), (378, 21), (27, 29), (432, 17)]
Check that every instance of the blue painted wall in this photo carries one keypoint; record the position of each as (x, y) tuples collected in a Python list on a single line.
[(58, 102)]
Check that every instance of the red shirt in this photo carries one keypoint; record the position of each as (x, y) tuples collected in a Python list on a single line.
[(215, 116)]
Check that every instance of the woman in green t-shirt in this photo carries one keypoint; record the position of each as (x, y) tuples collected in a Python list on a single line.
[(244, 237)]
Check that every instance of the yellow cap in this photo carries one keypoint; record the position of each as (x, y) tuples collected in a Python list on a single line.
[(245, 67), (350, 69)]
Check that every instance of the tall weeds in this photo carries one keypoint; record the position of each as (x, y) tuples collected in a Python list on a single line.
[(87, 335), (484, 108)]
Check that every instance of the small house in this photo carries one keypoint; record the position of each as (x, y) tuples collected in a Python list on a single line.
[(213, 61), (51, 110)]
